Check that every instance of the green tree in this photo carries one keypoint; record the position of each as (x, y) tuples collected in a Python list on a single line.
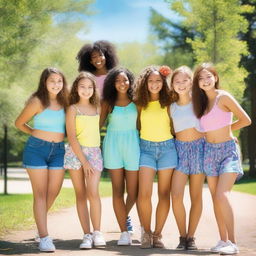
[(172, 39), (217, 24), (136, 56), (249, 63)]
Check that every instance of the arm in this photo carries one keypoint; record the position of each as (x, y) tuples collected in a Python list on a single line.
[(171, 121), (138, 118), (31, 109), (230, 104), (71, 134), (104, 113)]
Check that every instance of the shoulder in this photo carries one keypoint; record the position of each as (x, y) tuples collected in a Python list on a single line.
[(225, 97), (35, 104), (71, 109)]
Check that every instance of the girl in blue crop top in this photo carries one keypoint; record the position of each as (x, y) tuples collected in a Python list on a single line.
[(44, 151), (189, 144), (121, 145)]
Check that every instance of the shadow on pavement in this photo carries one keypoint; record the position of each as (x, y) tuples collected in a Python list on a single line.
[(31, 247)]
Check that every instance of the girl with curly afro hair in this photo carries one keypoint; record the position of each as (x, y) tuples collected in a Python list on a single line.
[(97, 58)]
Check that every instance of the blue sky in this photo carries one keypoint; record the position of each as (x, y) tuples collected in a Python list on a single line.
[(122, 20)]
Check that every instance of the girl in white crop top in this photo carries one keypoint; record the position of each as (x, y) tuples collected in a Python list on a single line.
[(189, 144)]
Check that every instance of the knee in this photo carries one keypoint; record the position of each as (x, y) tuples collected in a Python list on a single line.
[(164, 195), (220, 197), (132, 195), (81, 196), (144, 195), (176, 196), (92, 195)]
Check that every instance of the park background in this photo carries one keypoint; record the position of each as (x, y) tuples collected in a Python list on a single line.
[(35, 34)]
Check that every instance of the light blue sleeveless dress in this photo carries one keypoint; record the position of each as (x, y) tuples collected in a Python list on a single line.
[(121, 143)]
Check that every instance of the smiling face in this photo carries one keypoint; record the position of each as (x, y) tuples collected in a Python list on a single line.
[(155, 83), (122, 83), (98, 59), (182, 83), (206, 80), (54, 84), (85, 88)]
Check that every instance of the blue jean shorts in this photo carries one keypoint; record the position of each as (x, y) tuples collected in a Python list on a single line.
[(190, 156), (158, 155), (41, 154), (222, 158)]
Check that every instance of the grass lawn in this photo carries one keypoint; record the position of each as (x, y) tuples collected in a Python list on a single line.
[(246, 185), (16, 210)]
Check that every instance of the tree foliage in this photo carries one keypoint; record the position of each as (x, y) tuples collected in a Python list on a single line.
[(172, 38), (217, 25)]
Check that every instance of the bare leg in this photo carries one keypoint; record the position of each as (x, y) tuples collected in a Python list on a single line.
[(78, 180), (212, 183), (196, 182), (179, 180), (93, 195), (132, 189), (225, 183), (118, 186), (55, 180), (146, 178), (163, 206), (39, 182)]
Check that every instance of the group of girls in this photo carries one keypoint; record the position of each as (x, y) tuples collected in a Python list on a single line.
[(154, 125)]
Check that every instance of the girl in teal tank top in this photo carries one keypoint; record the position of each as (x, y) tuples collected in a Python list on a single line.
[(121, 145)]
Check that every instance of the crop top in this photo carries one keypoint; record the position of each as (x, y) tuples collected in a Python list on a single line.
[(184, 117), (155, 123), (87, 129), (50, 120), (216, 118)]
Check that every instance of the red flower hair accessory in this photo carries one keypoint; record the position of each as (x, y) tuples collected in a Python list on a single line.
[(165, 70)]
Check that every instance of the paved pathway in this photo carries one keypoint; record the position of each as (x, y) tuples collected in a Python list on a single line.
[(65, 229)]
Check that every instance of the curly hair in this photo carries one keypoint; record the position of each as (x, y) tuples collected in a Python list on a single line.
[(182, 69), (199, 97), (42, 92), (141, 92), (109, 89), (74, 97), (102, 46)]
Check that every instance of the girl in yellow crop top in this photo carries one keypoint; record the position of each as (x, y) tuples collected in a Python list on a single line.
[(83, 156), (157, 149)]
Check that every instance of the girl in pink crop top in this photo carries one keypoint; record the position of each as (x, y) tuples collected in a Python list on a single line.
[(222, 164)]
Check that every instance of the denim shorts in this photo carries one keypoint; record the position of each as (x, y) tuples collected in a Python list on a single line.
[(190, 156), (41, 154), (92, 154), (222, 158), (158, 155)]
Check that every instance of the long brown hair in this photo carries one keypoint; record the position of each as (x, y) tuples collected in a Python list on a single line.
[(74, 97), (42, 92), (141, 93), (199, 97), (182, 69)]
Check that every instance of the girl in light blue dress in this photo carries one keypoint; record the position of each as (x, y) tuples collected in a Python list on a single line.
[(121, 150)]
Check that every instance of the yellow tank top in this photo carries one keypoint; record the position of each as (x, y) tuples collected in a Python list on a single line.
[(155, 123), (87, 130)]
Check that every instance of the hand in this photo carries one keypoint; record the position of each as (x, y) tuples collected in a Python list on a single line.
[(236, 140), (88, 170)]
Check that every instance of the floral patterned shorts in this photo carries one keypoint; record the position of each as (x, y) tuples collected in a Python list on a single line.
[(222, 158), (92, 154)]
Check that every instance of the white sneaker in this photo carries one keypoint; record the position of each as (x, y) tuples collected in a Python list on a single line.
[(230, 249), (87, 242), (125, 239), (219, 245), (37, 238), (46, 244), (98, 239)]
